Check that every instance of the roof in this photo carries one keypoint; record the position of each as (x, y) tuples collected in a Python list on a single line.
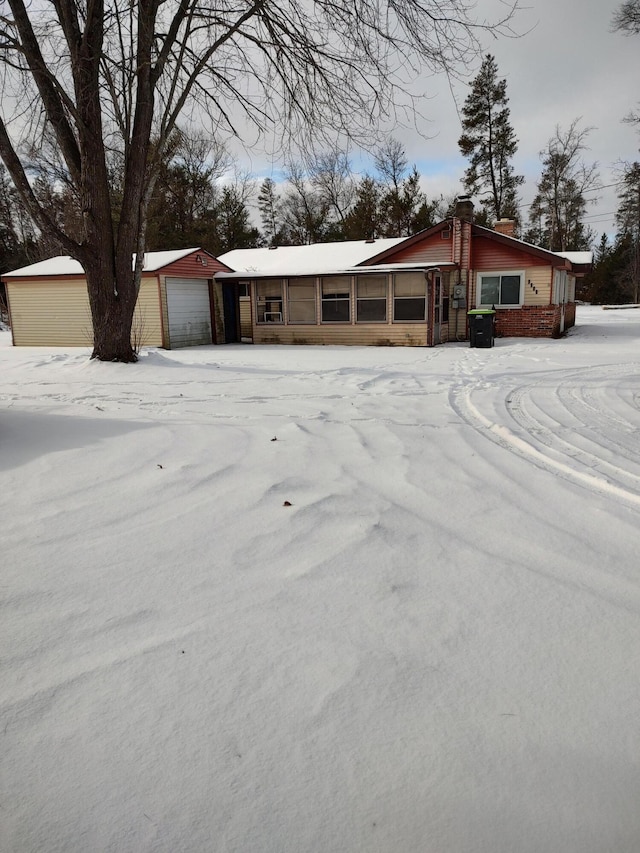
[(316, 259), (65, 265), (577, 257)]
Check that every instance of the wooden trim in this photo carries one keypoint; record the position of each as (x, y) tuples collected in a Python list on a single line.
[(212, 296), (162, 329)]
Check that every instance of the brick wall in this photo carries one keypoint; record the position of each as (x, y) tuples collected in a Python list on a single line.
[(533, 321)]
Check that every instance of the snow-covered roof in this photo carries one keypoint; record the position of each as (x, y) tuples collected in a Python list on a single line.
[(65, 265), (577, 257), (316, 259)]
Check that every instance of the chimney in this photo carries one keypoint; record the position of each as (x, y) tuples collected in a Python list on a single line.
[(464, 208), (505, 226)]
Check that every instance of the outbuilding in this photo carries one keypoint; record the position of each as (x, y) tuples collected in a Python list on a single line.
[(179, 304)]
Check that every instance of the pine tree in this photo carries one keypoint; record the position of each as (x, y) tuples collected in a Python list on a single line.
[(403, 207), (363, 220), (628, 219), (489, 141), (269, 205)]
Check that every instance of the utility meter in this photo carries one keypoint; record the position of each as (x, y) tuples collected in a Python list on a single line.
[(459, 296)]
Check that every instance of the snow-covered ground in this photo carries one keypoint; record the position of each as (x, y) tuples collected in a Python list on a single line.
[(434, 649)]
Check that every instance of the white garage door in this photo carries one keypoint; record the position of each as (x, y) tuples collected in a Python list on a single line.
[(189, 312)]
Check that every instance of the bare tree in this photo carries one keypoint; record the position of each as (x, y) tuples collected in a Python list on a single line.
[(557, 212), (626, 18), (304, 211), (330, 174), (84, 78)]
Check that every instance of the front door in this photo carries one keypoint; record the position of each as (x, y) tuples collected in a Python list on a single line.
[(230, 313)]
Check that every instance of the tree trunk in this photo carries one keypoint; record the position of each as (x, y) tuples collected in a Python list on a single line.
[(112, 304)]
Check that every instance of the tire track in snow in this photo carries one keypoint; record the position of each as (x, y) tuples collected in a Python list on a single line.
[(565, 425)]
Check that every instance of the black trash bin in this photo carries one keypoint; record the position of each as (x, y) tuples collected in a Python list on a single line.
[(481, 327)]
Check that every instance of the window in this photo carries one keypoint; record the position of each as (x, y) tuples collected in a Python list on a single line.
[(302, 300), (409, 297), (503, 289), (243, 289), (336, 299), (269, 301), (560, 287), (371, 291)]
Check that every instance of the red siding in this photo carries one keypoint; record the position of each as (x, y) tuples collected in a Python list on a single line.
[(188, 267), (433, 250), (491, 255)]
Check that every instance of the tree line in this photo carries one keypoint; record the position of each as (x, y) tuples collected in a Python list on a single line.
[(201, 198)]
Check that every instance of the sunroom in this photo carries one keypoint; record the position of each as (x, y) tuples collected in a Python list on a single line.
[(390, 306)]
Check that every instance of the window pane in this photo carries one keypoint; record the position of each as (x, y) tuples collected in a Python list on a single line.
[(490, 290), (409, 309), (372, 310), (269, 301), (372, 286), (339, 284), (302, 312), (270, 311), (510, 290), (410, 284), (269, 289), (335, 311), (302, 290)]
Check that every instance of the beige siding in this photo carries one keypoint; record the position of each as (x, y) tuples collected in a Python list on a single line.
[(147, 325), (342, 334), (245, 317), (56, 313), (50, 313), (358, 334), (457, 324), (537, 285)]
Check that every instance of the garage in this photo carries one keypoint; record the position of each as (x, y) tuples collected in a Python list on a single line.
[(177, 303), (189, 312)]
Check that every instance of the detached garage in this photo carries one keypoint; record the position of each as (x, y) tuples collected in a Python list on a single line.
[(179, 305)]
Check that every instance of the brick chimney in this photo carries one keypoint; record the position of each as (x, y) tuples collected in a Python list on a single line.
[(505, 226), (464, 208)]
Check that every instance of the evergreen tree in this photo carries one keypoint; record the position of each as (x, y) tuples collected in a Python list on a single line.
[(628, 219), (556, 216), (403, 207), (607, 283), (269, 205), (489, 141), (234, 229), (362, 222), (18, 245), (186, 193)]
